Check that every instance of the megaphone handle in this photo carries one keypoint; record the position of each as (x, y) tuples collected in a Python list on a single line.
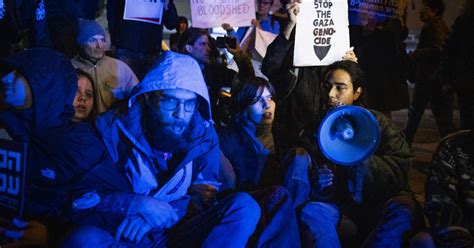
[(359, 182)]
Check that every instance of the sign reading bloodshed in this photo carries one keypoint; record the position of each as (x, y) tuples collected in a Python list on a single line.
[(322, 32), (212, 13)]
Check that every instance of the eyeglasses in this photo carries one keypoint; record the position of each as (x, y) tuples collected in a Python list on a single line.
[(171, 103)]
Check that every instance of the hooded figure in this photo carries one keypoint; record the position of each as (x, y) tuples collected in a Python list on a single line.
[(168, 176), (200, 165), (60, 153)]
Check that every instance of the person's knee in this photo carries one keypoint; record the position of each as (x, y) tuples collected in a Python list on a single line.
[(319, 214), (246, 208), (403, 206), (86, 236), (422, 240), (405, 211), (279, 193), (277, 196)]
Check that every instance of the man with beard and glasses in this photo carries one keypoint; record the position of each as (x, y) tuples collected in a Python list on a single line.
[(165, 144)]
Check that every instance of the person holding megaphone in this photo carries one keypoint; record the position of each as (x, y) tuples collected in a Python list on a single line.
[(351, 164)]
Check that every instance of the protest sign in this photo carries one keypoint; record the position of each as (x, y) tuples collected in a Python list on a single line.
[(370, 13), (12, 179), (322, 32), (150, 11), (213, 13)]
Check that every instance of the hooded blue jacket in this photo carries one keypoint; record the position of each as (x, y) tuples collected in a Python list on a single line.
[(123, 135), (62, 155)]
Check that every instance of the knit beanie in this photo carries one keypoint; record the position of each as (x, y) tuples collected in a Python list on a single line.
[(87, 29)]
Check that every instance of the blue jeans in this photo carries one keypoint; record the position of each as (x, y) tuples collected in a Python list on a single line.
[(379, 225), (229, 223), (278, 225)]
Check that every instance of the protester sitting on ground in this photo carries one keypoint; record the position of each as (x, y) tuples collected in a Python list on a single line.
[(165, 145), (84, 102), (383, 209), (449, 203), (248, 144), (196, 43), (298, 88), (113, 78), (39, 88)]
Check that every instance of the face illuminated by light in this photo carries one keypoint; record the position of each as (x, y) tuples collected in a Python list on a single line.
[(84, 99), (173, 109), (264, 7), (200, 49), (262, 111), (340, 88), (17, 92), (94, 48)]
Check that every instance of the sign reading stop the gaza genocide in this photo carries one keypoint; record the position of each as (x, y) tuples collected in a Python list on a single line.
[(213, 13), (322, 32)]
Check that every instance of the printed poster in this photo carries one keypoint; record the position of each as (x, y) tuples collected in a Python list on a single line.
[(213, 13), (322, 32), (150, 11), (12, 179)]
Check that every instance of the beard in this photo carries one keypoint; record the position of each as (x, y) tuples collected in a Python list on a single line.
[(161, 136)]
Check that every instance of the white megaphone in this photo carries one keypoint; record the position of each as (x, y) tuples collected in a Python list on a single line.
[(348, 135)]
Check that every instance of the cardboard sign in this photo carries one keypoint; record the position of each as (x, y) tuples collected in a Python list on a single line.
[(150, 11), (12, 179), (213, 13), (322, 32), (374, 12)]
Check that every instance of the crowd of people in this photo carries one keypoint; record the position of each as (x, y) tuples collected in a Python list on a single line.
[(138, 147)]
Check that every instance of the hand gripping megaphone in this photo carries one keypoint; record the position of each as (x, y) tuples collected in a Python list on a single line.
[(348, 135)]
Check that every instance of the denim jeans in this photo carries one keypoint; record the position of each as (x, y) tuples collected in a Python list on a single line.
[(229, 223), (379, 225), (278, 225)]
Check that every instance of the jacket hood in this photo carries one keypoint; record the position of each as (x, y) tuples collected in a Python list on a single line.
[(53, 84), (175, 71)]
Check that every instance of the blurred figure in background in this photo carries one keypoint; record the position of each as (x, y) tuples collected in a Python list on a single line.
[(426, 60), (457, 63), (174, 38)]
